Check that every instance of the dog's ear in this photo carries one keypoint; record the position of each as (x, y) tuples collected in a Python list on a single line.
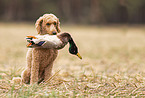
[(38, 25), (58, 26)]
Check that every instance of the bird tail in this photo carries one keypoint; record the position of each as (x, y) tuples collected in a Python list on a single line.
[(29, 39), (32, 44)]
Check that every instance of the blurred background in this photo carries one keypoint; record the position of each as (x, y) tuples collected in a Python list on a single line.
[(75, 11), (113, 49)]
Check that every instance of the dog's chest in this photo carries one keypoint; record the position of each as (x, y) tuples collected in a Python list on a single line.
[(45, 56)]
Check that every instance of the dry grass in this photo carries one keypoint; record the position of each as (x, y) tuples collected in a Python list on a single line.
[(113, 63)]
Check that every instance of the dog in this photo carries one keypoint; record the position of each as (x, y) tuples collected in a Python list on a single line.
[(40, 60)]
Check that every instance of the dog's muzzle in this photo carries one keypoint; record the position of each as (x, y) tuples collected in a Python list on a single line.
[(54, 32)]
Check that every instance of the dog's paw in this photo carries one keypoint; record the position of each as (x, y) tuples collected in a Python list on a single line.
[(16, 80)]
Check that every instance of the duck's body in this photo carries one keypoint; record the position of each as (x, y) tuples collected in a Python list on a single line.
[(53, 42), (44, 41)]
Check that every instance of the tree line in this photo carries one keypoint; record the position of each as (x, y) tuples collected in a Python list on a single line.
[(75, 11)]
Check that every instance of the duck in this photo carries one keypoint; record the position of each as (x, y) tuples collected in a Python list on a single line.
[(53, 42)]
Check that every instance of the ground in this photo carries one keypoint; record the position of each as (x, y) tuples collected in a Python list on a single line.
[(113, 62)]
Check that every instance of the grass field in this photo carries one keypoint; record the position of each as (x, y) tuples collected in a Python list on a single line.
[(113, 63)]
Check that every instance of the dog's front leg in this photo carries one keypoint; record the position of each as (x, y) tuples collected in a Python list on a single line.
[(34, 68), (34, 74), (48, 72)]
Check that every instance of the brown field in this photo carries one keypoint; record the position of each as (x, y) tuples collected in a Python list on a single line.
[(113, 63)]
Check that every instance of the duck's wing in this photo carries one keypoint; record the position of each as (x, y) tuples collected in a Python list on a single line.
[(56, 41), (52, 41)]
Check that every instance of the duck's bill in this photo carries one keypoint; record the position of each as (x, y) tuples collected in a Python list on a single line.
[(79, 55)]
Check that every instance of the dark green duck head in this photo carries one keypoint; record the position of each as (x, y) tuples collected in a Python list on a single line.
[(73, 48), (66, 37)]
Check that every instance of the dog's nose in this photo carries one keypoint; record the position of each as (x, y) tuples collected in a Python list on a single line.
[(54, 32)]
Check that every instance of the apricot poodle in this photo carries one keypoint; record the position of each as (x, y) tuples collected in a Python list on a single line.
[(40, 60)]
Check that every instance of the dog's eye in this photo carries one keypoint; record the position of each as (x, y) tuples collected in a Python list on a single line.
[(48, 24), (54, 23)]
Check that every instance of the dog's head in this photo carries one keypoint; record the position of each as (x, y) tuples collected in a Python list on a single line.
[(48, 24)]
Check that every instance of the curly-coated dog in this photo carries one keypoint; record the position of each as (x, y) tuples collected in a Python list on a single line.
[(40, 60)]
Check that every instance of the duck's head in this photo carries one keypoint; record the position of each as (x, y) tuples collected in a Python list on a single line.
[(66, 37), (73, 48)]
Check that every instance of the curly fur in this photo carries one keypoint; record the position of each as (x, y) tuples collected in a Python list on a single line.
[(40, 61)]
